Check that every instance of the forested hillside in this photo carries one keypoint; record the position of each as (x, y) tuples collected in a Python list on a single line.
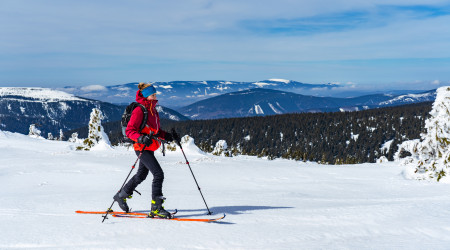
[(329, 138)]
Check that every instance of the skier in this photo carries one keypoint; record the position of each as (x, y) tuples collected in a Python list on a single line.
[(145, 139)]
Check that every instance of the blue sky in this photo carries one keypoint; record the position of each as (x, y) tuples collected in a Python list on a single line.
[(372, 43)]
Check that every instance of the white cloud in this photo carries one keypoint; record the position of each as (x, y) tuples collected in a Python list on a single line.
[(436, 82)]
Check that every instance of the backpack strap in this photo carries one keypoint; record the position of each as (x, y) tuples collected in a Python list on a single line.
[(145, 118)]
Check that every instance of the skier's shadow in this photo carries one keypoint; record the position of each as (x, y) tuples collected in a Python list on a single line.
[(228, 210)]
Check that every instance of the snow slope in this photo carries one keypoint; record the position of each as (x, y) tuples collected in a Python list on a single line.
[(39, 94), (276, 204)]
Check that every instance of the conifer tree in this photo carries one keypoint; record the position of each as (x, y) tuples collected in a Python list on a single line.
[(96, 131), (430, 159), (34, 132), (61, 135)]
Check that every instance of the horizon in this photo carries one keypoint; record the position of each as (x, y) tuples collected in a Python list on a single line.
[(373, 44), (340, 88)]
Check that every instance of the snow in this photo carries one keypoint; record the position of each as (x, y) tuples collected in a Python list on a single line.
[(63, 106), (263, 84), (222, 88), (430, 159), (220, 147), (278, 204), (101, 146), (386, 146), (171, 117), (371, 129), (164, 86), (274, 109), (408, 98), (38, 93), (280, 80), (258, 110)]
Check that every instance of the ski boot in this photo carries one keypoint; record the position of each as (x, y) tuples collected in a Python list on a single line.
[(121, 198), (158, 209)]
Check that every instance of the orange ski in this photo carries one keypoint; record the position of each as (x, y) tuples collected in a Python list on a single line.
[(110, 212), (174, 218)]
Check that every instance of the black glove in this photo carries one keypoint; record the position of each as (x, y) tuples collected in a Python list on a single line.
[(168, 137), (145, 139), (175, 136)]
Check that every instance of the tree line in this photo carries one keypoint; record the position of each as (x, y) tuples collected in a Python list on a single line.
[(327, 138)]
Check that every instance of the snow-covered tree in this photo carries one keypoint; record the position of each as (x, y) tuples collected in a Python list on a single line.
[(97, 134), (34, 132), (430, 156), (74, 138), (189, 145), (50, 136), (221, 148), (61, 135)]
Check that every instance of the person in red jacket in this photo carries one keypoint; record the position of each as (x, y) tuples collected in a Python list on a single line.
[(146, 139)]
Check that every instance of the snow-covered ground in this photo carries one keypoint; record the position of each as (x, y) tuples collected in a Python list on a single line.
[(276, 204)]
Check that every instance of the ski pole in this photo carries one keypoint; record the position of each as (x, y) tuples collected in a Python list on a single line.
[(132, 167), (187, 162)]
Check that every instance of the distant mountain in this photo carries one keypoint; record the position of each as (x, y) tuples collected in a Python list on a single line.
[(53, 110), (258, 101), (410, 98), (181, 93)]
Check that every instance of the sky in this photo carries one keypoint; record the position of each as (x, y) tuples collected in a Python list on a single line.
[(371, 43)]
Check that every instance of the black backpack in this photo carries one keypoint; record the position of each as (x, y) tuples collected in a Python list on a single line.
[(126, 118)]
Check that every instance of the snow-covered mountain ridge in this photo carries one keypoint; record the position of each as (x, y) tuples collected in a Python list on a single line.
[(38, 94), (410, 98), (52, 110), (260, 101)]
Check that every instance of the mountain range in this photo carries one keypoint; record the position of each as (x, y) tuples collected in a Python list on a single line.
[(52, 110), (260, 101), (181, 93)]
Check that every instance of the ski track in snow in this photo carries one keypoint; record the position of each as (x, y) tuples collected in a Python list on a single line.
[(276, 204)]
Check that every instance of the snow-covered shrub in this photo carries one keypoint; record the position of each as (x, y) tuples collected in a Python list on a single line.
[(97, 135), (74, 138), (430, 156), (236, 150), (34, 132), (382, 159), (221, 149), (186, 139), (50, 136), (171, 146), (189, 146)]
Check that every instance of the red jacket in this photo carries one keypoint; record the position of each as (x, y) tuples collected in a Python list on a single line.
[(132, 130)]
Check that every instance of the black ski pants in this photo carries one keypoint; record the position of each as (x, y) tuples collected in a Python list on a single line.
[(147, 163)]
